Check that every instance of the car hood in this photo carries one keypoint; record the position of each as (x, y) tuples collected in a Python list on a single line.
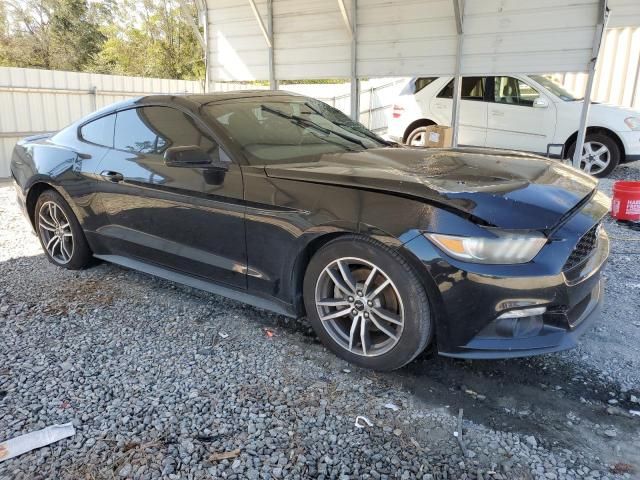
[(498, 188), (602, 113)]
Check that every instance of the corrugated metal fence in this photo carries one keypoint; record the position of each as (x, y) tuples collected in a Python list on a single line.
[(35, 101)]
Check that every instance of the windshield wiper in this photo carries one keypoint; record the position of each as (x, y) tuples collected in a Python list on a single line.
[(306, 122), (371, 135), (364, 132)]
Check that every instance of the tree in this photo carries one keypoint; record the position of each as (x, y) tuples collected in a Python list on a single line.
[(27, 37), (157, 38), (156, 42), (75, 38), (55, 34)]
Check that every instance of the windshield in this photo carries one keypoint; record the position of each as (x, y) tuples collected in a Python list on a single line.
[(555, 88), (273, 130)]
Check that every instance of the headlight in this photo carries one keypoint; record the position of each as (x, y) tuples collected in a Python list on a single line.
[(633, 123), (506, 248)]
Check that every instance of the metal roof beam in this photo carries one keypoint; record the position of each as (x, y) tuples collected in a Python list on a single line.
[(273, 82), (355, 82), (458, 10), (261, 23), (603, 18), (345, 18)]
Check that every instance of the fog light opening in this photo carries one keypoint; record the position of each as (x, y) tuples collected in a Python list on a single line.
[(522, 323)]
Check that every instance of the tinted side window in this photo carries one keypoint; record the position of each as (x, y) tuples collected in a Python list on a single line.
[(472, 89), (152, 130), (423, 82), (99, 131), (416, 84), (514, 92)]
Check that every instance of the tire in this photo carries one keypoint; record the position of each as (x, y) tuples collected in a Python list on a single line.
[(60, 234), (416, 137), (402, 302), (610, 156)]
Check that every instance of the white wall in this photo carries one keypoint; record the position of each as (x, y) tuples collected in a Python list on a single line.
[(35, 101), (617, 79)]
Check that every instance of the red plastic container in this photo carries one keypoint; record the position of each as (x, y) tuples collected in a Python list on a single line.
[(626, 201)]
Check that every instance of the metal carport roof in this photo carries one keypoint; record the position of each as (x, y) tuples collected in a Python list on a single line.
[(308, 39)]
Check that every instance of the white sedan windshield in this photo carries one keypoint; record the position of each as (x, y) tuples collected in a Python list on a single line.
[(555, 88)]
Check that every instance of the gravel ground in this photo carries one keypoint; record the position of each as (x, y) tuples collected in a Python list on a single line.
[(163, 381)]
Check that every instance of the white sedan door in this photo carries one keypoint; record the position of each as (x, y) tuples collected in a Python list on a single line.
[(520, 117), (473, 110)]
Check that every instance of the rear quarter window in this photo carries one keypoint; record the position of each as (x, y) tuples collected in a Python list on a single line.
[(416, 84), (99, 131)]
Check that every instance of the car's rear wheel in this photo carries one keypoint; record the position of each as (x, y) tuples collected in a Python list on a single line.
[(417, 137), (600, 155), (60, 233), (366, 303)]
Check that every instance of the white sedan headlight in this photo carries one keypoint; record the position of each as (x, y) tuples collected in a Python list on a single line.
[(633, 123), (506, 248)]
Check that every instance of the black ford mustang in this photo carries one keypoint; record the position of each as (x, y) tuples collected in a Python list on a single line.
[(282, 202)]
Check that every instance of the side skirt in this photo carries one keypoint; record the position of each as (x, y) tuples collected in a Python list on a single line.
[(171, 275)]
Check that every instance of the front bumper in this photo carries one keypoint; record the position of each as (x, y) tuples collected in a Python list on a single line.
[(631, 142), (555, 335), (469, 298)]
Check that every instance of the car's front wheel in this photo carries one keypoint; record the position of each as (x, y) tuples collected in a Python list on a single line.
[(60, 233), (600, 155), (366, 303)]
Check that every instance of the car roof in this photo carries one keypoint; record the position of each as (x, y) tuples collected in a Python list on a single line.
[(200, 99), (188, 100)]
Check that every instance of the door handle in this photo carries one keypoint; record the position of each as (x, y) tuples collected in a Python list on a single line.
[(110, 176), (497, 113)]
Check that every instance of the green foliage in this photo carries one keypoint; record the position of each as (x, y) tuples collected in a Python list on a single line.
[(157, 38), (76, 39), (157, 42)]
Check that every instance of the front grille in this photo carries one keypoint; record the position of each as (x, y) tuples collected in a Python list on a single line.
[(583, 249)]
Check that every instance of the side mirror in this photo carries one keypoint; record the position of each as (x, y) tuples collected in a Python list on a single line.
[(540, 103), (189, 156)]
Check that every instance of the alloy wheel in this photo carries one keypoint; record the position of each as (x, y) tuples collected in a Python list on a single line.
[(55, 231), (595, 157), (359, 306)]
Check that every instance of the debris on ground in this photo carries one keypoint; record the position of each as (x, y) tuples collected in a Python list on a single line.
[(392, 406), (475, 395), (269, 333), (362, 421), (622, 468), (30, 441), (458, 433), (216, 457)]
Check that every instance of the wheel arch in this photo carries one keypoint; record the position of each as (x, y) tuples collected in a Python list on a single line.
[(596, 129), (306, 254), (301, 263), (421, 122), (39, 184), (32, 198)]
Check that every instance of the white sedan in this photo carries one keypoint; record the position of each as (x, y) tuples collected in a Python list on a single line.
[(520, 112)]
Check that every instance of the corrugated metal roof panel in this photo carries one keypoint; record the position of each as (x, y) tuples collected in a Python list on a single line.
[(403, 37)]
